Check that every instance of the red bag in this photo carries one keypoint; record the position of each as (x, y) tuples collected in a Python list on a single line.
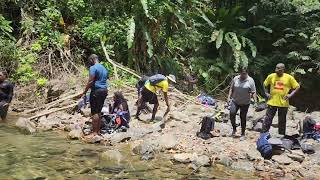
[(317, 127)]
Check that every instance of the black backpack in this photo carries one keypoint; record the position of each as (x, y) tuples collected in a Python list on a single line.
[(207, 125)]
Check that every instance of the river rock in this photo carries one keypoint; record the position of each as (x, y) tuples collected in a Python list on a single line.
[(75, 134), (26, 125), (120, 137), (243, 166), (296, 157), (282, 159), (113, 155), (253, 154), (167, 141), (200, 161), (183, 157), (146, 151), (224, 160)]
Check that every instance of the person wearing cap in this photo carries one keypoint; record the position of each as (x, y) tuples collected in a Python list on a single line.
[(149, 90), (98, 76)]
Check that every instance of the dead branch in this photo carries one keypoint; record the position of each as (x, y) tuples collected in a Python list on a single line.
[(52, 111)]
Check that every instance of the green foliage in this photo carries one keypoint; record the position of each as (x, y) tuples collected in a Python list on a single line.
[(42, 82), (131, 31)]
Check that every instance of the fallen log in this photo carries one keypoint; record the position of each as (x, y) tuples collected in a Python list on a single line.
[(51, 104), (52, 111)]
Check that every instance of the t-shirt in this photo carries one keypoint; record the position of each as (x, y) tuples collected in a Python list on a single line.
[(162, 85), (6, 91), (242, 90), (279, 88), (101, 75)]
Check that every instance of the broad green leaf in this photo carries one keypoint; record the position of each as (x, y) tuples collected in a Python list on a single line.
[(145, 7), (149, 43), (244, 59), (305, 58), (303, 35), (268, 30), (219, 39), (300, 71), (253, 10), (206, 19), (242, 18), (236, 55), (205, 75), (131, 31), (279, 42), (310, 69), (232, 40), (253, 48), (214, 36)]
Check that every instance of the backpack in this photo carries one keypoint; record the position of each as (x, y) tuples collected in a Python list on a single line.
[(141, 82), (207, 125), (155, 79), (263, 146)]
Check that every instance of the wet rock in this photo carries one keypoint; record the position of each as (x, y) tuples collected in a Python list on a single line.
[(112, 155), (296, 157), (183, 157), (75, 134), (146, 151), (167, 141), (224, 160), (282, 159), (260, 168), (120, 137), (243, 166), (26, 125), (253, 155), (86, 171), (200, 161)]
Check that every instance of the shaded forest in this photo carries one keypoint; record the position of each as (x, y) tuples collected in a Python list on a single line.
[(211, 38)]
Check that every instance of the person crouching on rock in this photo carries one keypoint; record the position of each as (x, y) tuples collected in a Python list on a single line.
[(242, 88), (98, 76), (148, 93), (6, 94), (121, 108)]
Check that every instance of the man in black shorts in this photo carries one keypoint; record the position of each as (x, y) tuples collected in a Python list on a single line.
[(97, 82), (6, 94), (149, 90)]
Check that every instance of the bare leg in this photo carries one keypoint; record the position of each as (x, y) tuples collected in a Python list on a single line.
[(154, 111), (96, 123)]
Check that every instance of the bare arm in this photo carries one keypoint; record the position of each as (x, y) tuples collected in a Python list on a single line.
[(230, 91), (89, 84)]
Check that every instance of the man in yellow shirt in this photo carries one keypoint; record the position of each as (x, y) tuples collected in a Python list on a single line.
[(279, 85), (149, 90)]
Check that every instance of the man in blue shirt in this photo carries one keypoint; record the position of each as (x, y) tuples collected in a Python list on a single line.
[(97, 82)]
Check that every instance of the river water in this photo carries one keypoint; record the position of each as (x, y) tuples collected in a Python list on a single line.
[(49, 155)]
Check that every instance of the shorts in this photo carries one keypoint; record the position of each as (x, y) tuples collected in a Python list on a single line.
[(97, 98), (3, 110), (148, 96)]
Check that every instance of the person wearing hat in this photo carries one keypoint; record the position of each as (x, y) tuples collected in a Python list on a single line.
[(149, 90)]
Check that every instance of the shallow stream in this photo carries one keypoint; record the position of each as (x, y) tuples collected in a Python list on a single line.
[(49, 155)]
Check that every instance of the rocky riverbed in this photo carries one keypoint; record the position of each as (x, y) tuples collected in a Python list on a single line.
[(176, 139)]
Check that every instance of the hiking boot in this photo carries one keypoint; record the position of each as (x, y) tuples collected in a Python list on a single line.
[(242, 138)]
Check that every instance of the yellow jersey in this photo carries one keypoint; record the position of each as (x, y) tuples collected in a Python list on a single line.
[(279, 88), (162, 85)]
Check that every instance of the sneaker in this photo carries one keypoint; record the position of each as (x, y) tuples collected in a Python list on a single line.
[(242, 138)]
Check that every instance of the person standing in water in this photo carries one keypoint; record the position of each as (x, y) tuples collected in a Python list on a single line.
[(6, 94), (98, 76)]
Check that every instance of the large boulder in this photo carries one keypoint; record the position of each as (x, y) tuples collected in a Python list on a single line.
[(26, 125), (183, 157), (112, 155), (282, 159), (75, 134), (202, 160)]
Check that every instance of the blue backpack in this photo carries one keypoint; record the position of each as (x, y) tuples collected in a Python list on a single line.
[(263, 145), (155, 79)]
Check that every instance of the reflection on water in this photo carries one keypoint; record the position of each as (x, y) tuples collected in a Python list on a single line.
[(49, 155)]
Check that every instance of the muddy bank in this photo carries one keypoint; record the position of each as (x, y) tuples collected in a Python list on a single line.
[(176, 139)]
